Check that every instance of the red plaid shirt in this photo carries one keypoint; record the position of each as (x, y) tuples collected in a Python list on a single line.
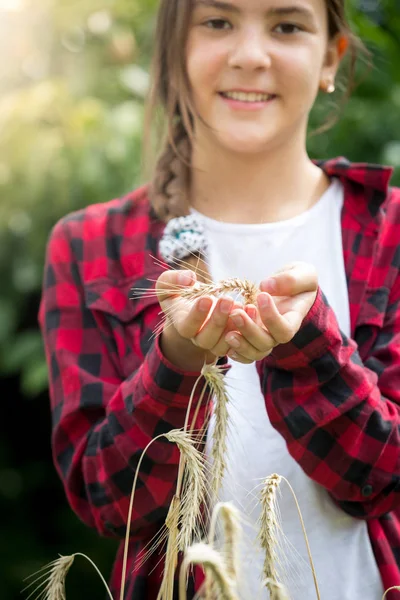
[(334, 399)]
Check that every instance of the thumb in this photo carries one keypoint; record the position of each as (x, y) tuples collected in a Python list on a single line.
[(290, 281), (171, 282)]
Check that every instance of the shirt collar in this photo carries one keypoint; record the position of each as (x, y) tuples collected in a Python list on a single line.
[(366, 188), (372, 176)]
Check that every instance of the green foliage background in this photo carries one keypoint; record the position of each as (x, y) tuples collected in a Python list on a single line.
[(72, 91)]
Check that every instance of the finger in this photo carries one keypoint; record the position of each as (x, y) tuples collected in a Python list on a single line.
[(238, 358), (295, 279), (243, 348), (193, 321), (251, 310), (222, 347), (171, 282), (299, 308), (255, 335), (210, 333), (280, 329)]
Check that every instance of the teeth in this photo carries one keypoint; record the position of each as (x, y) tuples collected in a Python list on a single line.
[(243, 97)]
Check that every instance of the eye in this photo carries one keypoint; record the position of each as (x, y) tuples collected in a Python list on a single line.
[(218, 24), (287, 28)]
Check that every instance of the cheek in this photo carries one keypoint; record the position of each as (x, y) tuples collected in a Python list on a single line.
[(205, 63), (301, 69)]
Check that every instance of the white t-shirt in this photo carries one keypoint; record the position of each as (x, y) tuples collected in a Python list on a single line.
[(345, 565)]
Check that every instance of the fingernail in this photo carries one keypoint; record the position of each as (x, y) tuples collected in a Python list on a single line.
[(252, 312), (269, 285), (225, 306), (237, 319), (263, 300), (205, 304), (185, 278)]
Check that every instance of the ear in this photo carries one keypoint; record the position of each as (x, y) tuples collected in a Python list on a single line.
[(335, 52)]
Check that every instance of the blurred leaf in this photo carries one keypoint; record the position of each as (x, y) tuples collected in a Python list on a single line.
[(8, 317), (26, 346), (34, 378)]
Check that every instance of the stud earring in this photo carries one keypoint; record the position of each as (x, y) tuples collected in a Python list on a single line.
[(330, 88)]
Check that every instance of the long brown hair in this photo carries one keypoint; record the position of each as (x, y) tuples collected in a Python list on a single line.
[(170, 93)]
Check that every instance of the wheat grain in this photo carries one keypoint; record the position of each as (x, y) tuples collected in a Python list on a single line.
[(280, 592)]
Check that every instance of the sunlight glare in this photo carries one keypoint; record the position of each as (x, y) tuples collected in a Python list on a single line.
[(11, 5)]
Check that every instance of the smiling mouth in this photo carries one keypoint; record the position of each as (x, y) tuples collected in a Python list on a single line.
[(247, 96)]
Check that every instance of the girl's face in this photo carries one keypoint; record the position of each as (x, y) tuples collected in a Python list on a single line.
[(255, 67)]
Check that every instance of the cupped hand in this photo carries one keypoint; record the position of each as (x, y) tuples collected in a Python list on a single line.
[(203, 323), (282, 304)]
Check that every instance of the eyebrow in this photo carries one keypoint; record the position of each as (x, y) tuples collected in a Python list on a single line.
[(275, 11)]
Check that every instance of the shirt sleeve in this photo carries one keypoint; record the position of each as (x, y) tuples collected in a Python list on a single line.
[(100, 422), (338, 414)]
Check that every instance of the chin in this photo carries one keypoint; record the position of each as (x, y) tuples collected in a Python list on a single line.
[(246, 145)]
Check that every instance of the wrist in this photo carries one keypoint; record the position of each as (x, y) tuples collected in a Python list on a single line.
[(182, 352)]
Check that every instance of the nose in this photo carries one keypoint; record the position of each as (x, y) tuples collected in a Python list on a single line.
[(250, 50)]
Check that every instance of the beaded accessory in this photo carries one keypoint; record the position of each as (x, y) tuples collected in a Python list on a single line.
[(182, 237)]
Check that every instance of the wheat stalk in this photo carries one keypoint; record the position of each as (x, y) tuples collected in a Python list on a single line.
[(54, 579), (391, 589), (305, 537), (267, 533), (166, 590), (215, 570)]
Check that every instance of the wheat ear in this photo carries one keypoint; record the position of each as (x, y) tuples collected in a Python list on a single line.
[(186, 507), (54, 579), (268, 526), (214, 567), (213, 375), (230, 518), (246, 288), (193, 489), (174, 539)]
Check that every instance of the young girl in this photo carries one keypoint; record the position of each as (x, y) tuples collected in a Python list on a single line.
[(314, 364)]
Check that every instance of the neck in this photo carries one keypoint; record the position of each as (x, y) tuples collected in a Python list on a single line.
[(274, 186)]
